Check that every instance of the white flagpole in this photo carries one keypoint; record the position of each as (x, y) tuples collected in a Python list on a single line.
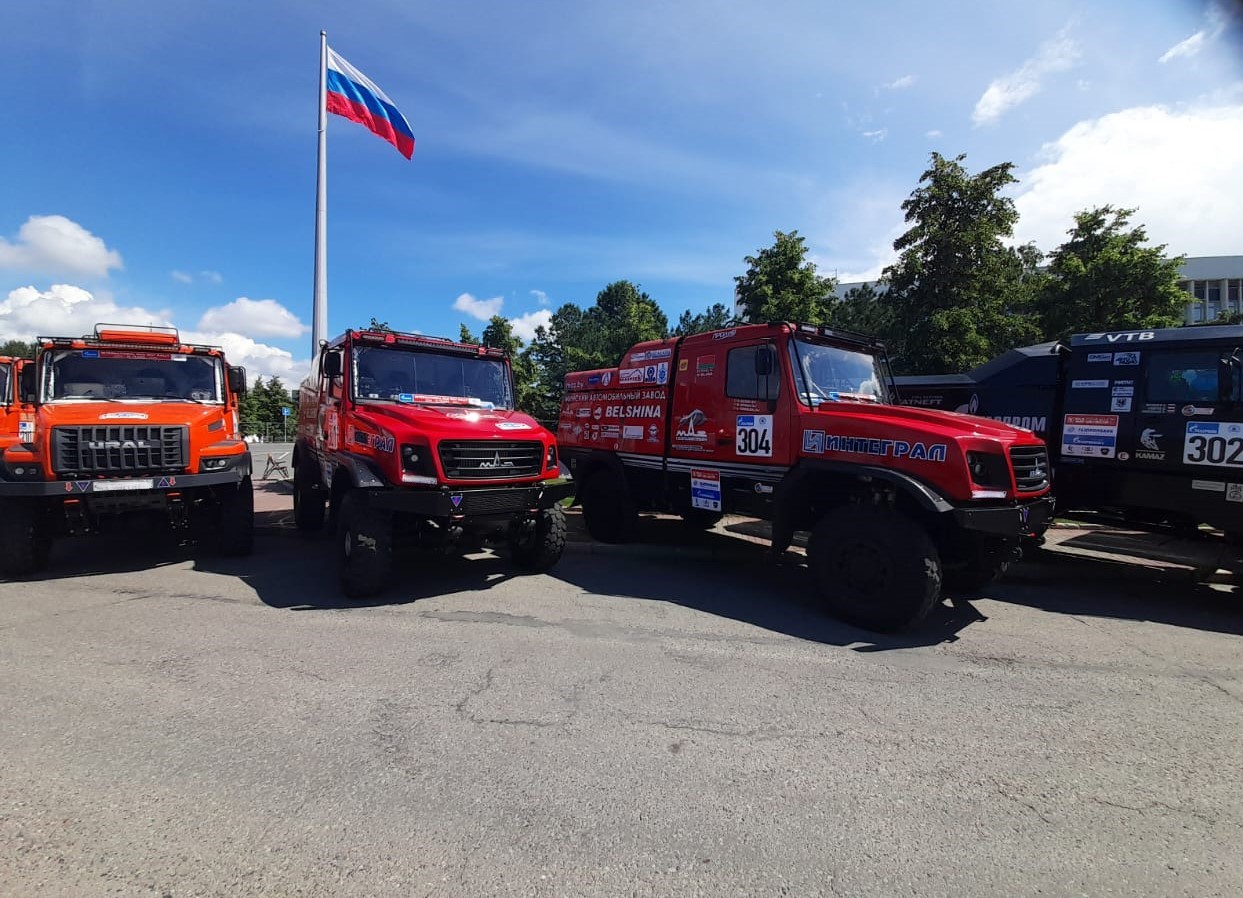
[(319, 306)]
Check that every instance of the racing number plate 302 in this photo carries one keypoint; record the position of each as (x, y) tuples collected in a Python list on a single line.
[(1218, 443)]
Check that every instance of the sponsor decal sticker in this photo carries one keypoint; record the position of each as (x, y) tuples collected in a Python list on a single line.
[(813, 442), (606, 378), (725, 335), (682, 363), (705, 365), (1120, 404), (1212, 486), (1126, 358), (513, 425), (755, 435), (1124, 456), (1090, 435), (763, 488), (124, 416), (1234, 492), (689, 427), (659, 354), (706, 489), (1218, 443), (1089, 384), (885, 448), (1191, 411), (1122, 337), (1100, 356), (632, 432)]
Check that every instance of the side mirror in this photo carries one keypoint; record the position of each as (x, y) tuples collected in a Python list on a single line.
[(764, 361), (331, 364), (29, 389), (237, 380)]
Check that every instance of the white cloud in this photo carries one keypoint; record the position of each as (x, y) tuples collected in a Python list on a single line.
[(901, 83), (1021, 85), (1178, 168), (933, 133), (876, 136), (53, 244), (259, 359), (1218, 17), (65, 310), (483, 309), (182, 277), (524, 325), (212, 277), (540, 296), (265, 317)]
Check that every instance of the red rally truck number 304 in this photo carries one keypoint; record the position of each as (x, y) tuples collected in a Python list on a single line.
[(797, 424)]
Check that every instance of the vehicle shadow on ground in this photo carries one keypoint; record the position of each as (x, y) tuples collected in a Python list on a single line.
[(1126, 590)]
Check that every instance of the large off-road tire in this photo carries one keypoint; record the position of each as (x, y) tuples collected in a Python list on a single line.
[(365, 546), (540, 547), (308, 502), (237, 518), (986, 561), (875, 568), (25, 540), (608, 508)]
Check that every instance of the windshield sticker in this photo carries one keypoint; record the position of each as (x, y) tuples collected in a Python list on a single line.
[(1095, 435), (1126, 358), (706, 489), (885, 448), (116, 354)]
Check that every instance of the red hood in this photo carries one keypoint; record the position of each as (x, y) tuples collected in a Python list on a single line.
[(932, 422), (452, 422), (132, 413)]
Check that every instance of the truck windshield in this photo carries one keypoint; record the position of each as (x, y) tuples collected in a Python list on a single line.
[(81, 374), (824, 373), (430, 378)]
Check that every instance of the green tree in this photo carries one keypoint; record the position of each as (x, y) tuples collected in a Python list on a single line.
[(465, 336), (959, 295), (578, 339), (715, 317), (864, 311), (19, 349), (379, 325), (1104, 278), (260, 408), (781, 285)]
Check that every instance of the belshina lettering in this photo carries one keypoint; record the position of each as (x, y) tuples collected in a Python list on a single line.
[(886, 448)]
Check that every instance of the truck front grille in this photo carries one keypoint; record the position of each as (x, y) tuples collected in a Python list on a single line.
[(119, 449), (1031, 467), (490, 460)]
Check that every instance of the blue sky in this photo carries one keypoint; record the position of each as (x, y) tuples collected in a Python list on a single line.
[(159, 158)]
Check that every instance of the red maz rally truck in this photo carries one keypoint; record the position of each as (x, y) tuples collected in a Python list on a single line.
[(798, 425), (413, 440)]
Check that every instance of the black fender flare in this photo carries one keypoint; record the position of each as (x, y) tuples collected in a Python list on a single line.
[(361, 472), (927, 498)]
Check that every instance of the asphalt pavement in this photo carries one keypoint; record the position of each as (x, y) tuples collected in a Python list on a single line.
[(640, 721)]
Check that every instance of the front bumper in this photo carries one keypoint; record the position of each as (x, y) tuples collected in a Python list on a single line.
[(1029, 518), (122, 486), (471, 502)]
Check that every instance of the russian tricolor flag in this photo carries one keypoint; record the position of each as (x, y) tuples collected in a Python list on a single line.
[(352, 94)]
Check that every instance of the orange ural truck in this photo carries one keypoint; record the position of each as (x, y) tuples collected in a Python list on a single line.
[(415, 441), (798, 425), (129, 420), (17, 387)]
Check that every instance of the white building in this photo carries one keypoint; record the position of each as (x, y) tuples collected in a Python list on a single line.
[(1214, 283)]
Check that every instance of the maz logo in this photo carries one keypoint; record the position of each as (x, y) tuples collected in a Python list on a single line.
[(496, 462)]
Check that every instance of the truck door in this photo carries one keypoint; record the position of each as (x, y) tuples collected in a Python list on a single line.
[(1189, 416), (729, 410)]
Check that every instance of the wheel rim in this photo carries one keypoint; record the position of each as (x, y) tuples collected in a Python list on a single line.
[(349, 544), (861, 566)]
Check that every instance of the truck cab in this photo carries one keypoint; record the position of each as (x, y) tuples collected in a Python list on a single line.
[(797, 424), (128, 420), (17, 386), (1145, 424), (411, 439)]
